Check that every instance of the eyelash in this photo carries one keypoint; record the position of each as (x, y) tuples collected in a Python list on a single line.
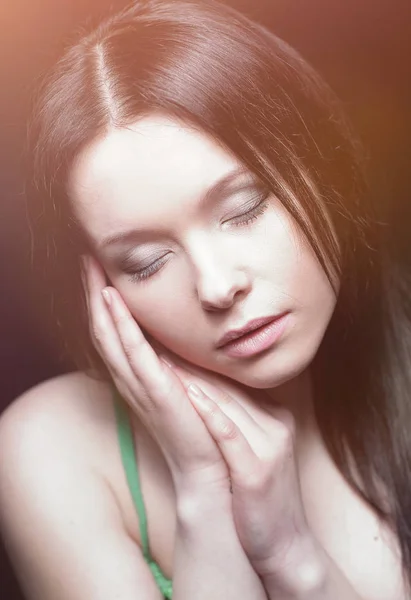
[(251, 215)]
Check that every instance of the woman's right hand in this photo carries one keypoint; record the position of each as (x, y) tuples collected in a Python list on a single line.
[(152, 389)]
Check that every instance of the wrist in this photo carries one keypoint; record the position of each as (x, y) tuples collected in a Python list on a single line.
[(297, 573), (194, 502)]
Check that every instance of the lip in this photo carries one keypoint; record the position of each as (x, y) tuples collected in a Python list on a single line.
[(257, 340), (234, 334)]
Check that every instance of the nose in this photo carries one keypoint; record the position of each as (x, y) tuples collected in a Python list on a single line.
[(219, 282)]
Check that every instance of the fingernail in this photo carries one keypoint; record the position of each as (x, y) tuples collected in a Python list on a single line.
[(195, 391), (197, 396), (107, 296)]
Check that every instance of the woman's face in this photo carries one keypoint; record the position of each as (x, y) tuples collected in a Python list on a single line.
[(192, 265)]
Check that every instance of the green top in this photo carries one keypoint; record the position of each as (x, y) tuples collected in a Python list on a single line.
[(128, 456)]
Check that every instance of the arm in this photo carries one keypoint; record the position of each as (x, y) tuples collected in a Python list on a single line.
[(59, 519), (308, 573), (267, 505), (209, 559), (63, 530)]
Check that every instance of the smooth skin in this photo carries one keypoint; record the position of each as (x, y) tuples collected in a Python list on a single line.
[(65, 509), (60, 472), (266, 495), (267, 506)]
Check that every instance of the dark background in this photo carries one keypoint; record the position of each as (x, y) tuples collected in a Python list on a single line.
[(362, 48)]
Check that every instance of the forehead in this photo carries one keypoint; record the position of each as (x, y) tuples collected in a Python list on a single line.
[(153, 160)]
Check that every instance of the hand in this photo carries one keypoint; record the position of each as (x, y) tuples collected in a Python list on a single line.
[(152, 389), (257, 442)]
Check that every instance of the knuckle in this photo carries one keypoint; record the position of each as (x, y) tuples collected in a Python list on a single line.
[(228, 430), (270, 463), (162, 393), (284, 436), (283, 449), (96, 334), (142, 403), (224, 398), (268, 458), (145, 402), (97, 329), (136, 396), (258, 481), (130, 349), (122, 320)]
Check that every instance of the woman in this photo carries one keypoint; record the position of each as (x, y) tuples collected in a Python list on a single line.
[(195, 169)]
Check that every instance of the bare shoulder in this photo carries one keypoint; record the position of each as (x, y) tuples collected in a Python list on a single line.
[(61, 514), (57, 406), (66, 420)]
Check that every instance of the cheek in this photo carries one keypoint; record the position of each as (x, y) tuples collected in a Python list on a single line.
[(295, 262), (283, 261), (299, 277), (158, 311), (147, 309)]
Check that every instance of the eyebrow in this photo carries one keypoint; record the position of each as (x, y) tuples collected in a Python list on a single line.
[(214, 191)]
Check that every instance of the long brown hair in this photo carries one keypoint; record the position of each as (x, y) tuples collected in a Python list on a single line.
[(214, 69)]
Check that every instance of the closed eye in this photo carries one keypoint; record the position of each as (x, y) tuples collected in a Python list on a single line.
[(240, 220), (252, 214)]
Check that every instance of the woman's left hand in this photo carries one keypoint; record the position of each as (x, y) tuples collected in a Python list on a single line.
[(257, 443)]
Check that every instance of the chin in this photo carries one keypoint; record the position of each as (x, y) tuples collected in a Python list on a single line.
[(275, 369)]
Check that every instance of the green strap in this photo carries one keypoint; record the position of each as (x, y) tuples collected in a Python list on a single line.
[(128, 455), (127, 449)]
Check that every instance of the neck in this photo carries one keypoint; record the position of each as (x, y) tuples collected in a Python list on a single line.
[(296, 395)]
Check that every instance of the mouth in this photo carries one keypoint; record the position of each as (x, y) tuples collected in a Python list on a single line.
[(251, 326), (258, 339)]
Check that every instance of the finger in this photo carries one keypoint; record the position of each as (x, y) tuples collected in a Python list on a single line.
[(154, 390), (103, 332), (163, 389), (231, 441), (228, 393), (250, 405), (123, 345), (227, 403), (107, 341), (143, 360)]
